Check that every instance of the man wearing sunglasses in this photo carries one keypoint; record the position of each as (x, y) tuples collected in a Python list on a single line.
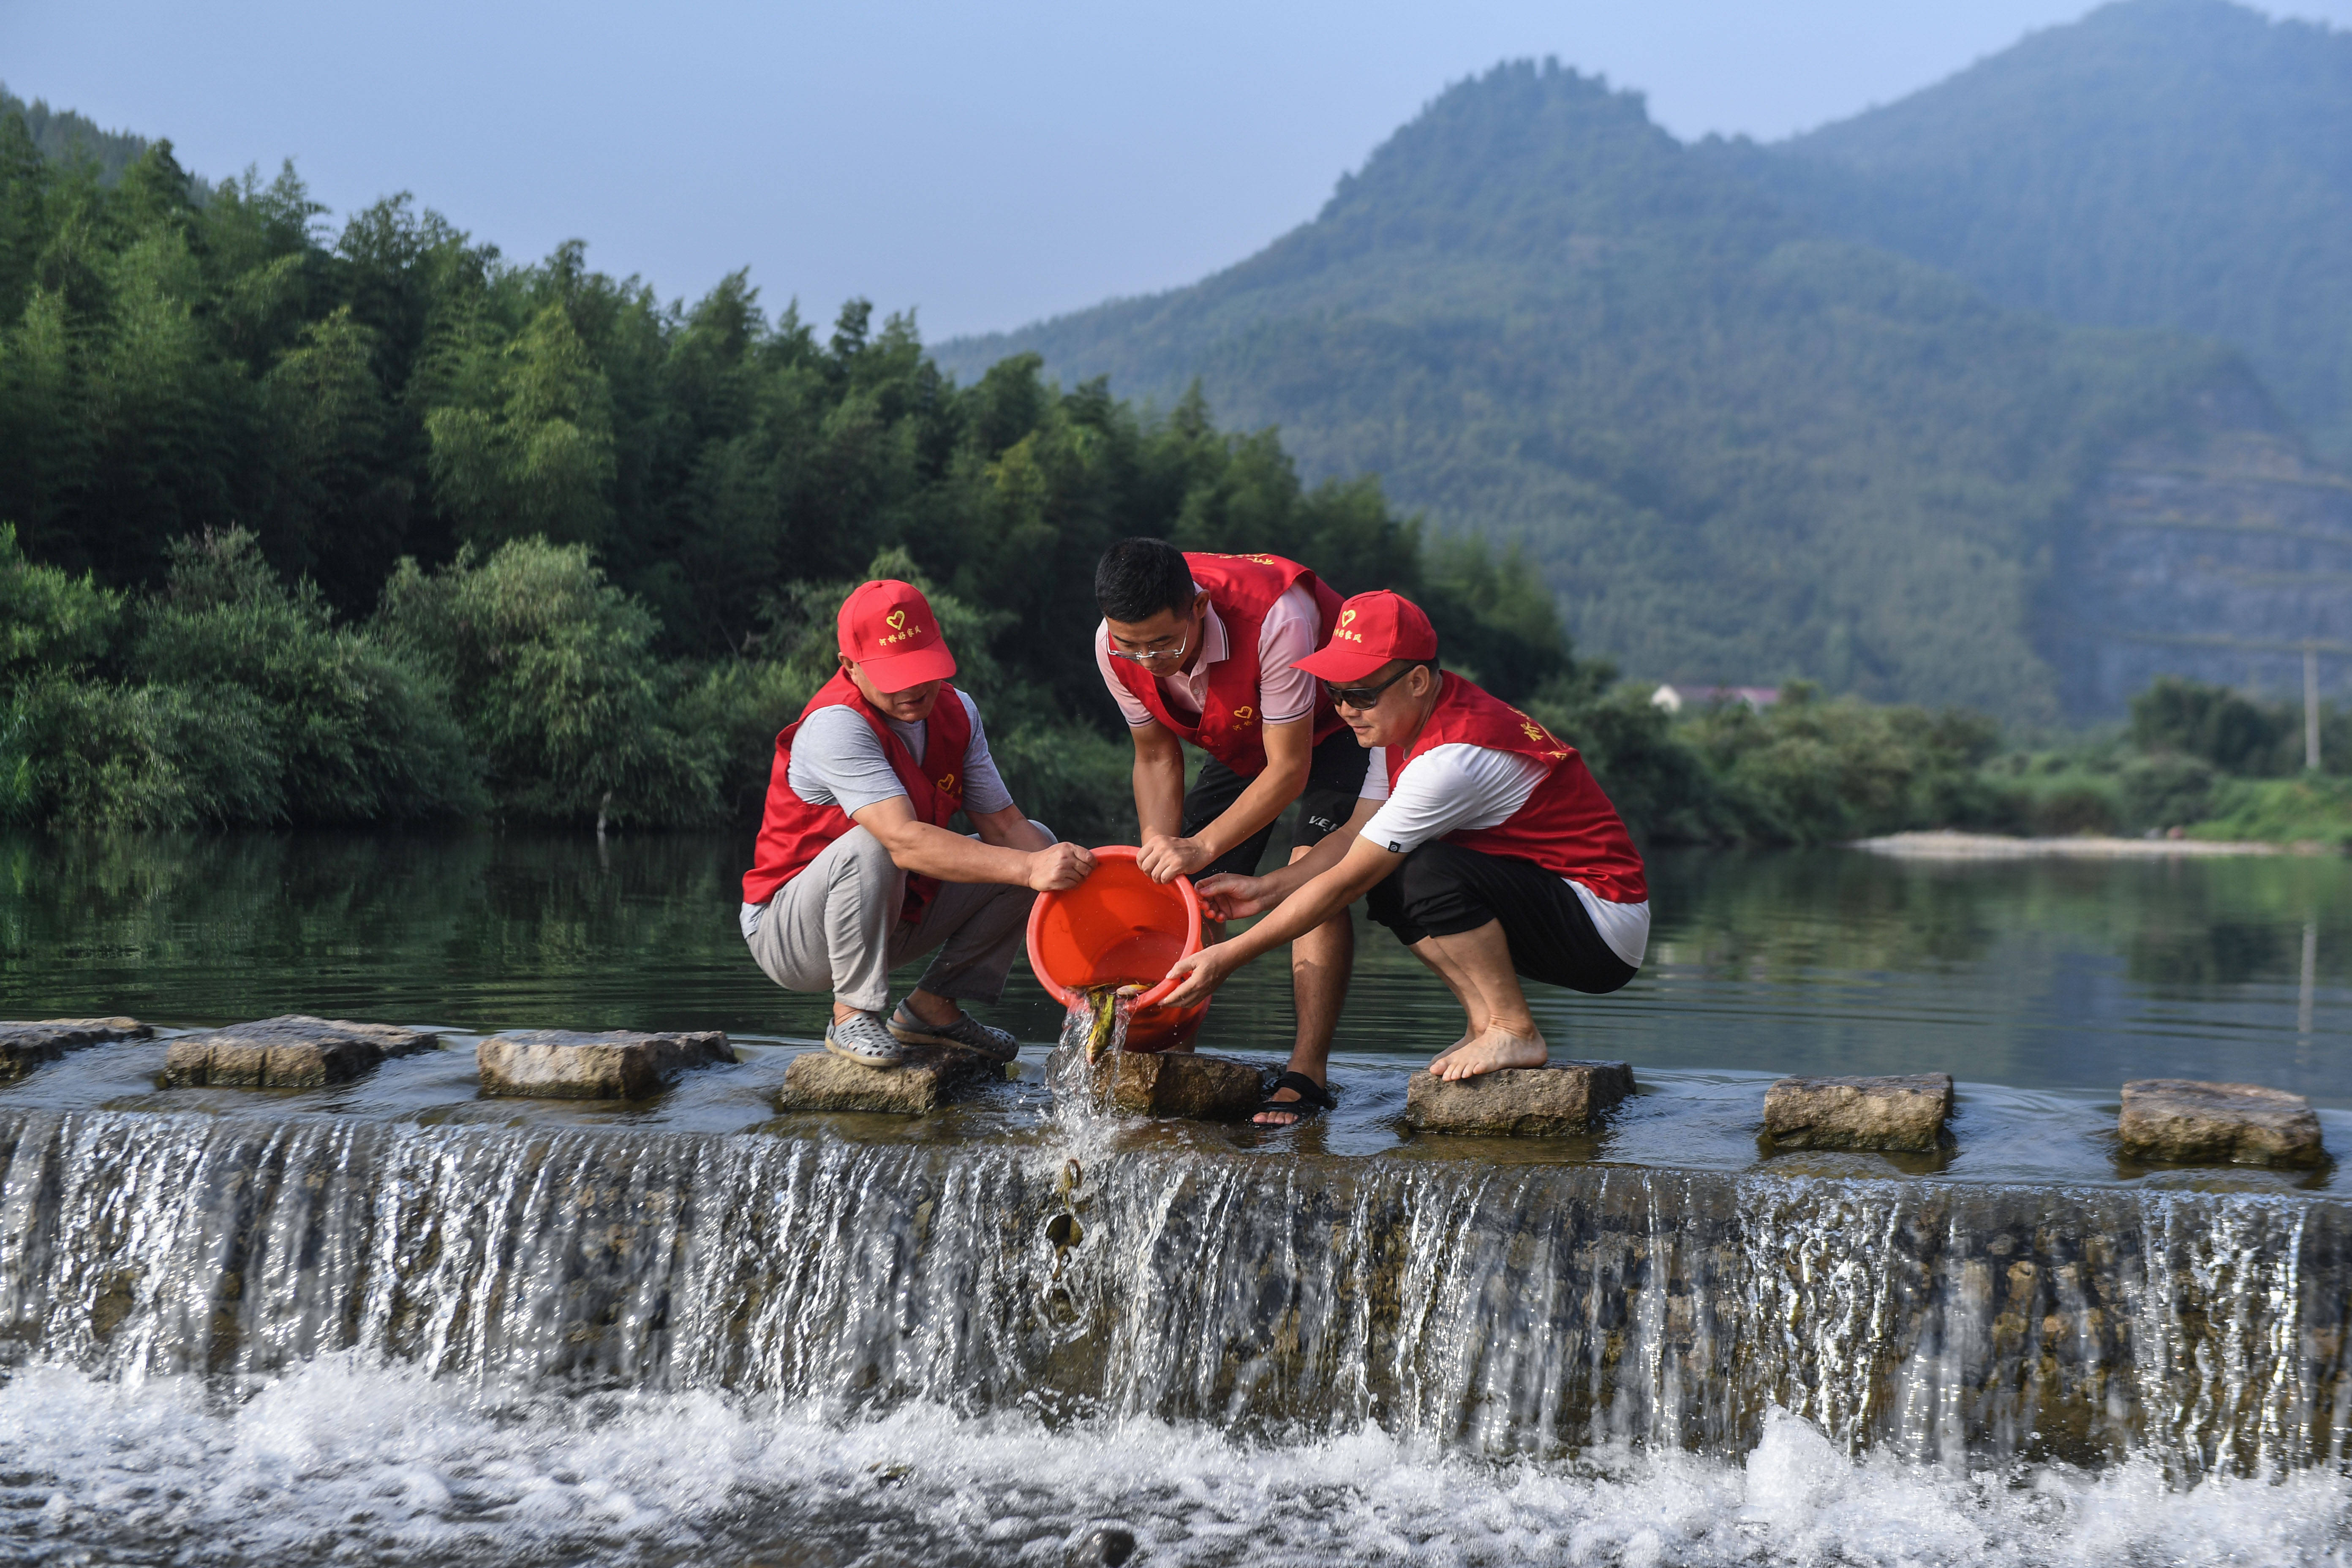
[(1483, 842), (1204, 648)]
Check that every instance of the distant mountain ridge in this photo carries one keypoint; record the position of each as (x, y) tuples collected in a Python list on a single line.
[(1741, 444), (2177, 164), (1739, 449), (64, 136)]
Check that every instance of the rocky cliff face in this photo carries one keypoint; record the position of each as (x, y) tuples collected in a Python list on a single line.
[(2216, 550)]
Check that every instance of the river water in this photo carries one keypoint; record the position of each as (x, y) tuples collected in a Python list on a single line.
[(393, 1321)]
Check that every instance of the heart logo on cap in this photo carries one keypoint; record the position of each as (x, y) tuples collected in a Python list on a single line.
[(897, 619), (1346, 616)]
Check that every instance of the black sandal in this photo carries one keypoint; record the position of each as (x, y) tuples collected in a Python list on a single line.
[(1313, 1100)]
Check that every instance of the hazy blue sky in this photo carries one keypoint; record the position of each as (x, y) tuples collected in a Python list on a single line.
[(986, 164)]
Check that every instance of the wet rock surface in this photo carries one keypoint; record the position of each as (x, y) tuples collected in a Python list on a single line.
[(295, 1051), (929, 1077), (1548, 1101), (2188, 1121), (1105, 1546), (616, 1064), (1180, 1084), (1904, 1112), (25, 1046)]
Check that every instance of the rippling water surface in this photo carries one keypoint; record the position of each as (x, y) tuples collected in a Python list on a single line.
[(2040, 985), (2040, 974)]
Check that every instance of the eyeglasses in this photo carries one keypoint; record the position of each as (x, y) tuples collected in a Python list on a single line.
[(1150, 655), (1362, 697)]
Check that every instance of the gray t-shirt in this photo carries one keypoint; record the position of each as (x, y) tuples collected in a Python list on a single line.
[(838, 760)]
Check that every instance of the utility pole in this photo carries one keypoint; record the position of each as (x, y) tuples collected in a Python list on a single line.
[(2311, 706)]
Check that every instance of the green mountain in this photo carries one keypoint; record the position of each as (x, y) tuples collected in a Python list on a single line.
[(1738, 446), (2180, 164), (66, 137)]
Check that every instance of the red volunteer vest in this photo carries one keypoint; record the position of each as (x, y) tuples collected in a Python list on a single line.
[(1566, 825), (792, 832), (1242, 588)]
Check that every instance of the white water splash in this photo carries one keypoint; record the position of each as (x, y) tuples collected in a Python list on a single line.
[(1083, 1057), (345, 1461)]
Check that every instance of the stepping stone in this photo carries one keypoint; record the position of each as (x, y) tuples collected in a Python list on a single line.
[(291, 1052), (1180, 1084), (1521, 1103), (2190, 1122), (617, 1064), (929, 1077), (24, 1046), (1906, 1112)]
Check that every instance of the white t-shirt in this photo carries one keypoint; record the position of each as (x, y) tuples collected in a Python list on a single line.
[(838, 760), (1457, 787), (1284, 694)]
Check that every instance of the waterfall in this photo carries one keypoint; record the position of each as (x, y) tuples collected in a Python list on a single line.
[(1485, 1308)]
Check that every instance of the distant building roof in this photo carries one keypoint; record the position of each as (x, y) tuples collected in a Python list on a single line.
[(1672, 699)]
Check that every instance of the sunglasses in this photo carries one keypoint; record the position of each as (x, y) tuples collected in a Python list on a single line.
[(1362, 697)]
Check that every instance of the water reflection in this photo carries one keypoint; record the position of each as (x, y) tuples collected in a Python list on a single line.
[(2042, 974)]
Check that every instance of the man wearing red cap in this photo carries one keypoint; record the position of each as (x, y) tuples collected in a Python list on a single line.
[(856, 869), (1483, 842), (1204, 648)]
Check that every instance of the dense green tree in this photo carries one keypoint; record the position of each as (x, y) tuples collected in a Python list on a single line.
[(359, 734), (70, 138), (2232, 734), (225, 697), (549, 670)]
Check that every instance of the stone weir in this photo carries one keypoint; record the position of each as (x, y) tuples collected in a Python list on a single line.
[(1485, 1308)]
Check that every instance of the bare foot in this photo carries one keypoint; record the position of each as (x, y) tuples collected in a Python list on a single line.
[(1491, 1050), (1468, 1035), (1279, 1112)]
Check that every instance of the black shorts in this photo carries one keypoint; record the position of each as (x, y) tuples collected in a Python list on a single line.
[(1334, 780), (1444, 889)]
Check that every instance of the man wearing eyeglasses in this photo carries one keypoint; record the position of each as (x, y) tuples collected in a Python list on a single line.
[(1204, 648), (1483, 842)]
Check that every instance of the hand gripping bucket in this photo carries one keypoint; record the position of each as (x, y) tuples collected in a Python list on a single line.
[(1118, 926)]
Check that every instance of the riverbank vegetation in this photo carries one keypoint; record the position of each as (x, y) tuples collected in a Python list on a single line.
[(522, 685), (385, 528), (381, 527), (2200, 761)]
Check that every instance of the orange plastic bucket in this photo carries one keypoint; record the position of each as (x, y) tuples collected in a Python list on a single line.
[(1118, 926)]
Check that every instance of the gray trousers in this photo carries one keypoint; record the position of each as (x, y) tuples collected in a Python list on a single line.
[(836, 927)]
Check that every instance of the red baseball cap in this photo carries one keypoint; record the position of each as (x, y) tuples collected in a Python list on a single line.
[(1373, 629), (888, 631)]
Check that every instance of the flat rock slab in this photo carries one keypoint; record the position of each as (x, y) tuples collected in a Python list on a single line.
[(1904, 1112), (617, 1064), (1520, 1102), (24, 1046), (1180, 1084), (927, 1079), (2196, 1123), (291, 1052)]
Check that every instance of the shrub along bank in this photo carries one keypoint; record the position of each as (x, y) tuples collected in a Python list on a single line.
[(2208, 761), (520, 684)]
